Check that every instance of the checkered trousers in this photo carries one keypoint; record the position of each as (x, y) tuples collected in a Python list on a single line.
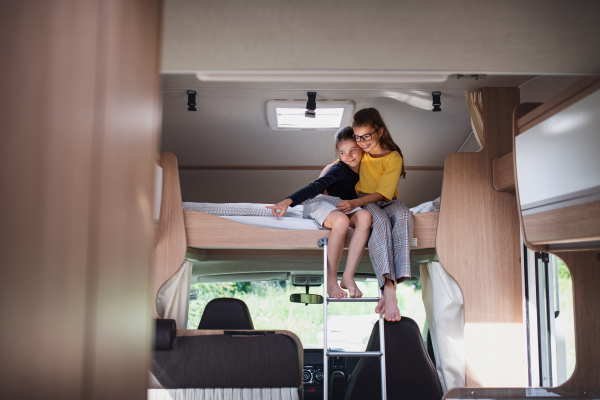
[(390, 240)]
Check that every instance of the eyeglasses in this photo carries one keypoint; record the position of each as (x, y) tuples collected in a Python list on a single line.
[(366, 137)]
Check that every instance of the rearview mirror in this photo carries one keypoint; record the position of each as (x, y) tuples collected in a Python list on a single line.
[(306, 298)]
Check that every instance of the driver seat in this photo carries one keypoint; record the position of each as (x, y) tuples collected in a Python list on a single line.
[(410, 374), (226, 313)]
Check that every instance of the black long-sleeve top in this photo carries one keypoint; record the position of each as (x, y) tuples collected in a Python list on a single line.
[(339, 181)]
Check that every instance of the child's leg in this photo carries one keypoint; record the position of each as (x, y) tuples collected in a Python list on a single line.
[(402, 234), (382, 258), (339, 223), (361, 222), (380, 245), (388, 305)]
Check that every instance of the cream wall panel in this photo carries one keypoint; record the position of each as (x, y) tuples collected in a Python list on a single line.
[(536, 36)]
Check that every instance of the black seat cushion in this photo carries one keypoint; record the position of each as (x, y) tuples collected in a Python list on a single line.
[(226, 313), (265, 360), (410, 373)]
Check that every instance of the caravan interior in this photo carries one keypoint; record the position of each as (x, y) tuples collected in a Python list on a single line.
[(192, 114)]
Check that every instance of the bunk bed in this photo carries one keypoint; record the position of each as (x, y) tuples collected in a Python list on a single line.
[(185, 232)]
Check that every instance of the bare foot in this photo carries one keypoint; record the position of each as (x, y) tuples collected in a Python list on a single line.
[(350, 285), (334, 290), (391, 310), (380, 309)]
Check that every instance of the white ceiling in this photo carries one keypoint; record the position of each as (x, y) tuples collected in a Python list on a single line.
[(507, 37)]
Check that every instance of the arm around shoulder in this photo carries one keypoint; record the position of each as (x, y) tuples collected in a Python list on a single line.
[(326, 170)]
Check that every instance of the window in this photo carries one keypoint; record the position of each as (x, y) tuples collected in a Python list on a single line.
[(349, 324), (289, 115), (293, 118)]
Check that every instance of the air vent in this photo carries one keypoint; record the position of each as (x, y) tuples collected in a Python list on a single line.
[(307, 280)]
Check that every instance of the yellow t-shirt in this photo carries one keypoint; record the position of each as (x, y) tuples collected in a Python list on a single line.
[(380, 175)]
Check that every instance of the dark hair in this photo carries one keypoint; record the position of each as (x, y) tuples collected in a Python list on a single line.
[(345, 133), (371, 117)]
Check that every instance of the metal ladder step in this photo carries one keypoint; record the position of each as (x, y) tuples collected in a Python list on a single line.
[(352, 300), (326, 354), (354, 354)]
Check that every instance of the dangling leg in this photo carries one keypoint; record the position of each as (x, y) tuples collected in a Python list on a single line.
[(389, 302), (361, 222), (339, 223), (402, 235), (381, 253)]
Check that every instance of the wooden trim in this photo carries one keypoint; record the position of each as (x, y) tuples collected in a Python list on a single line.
[(503, 173), (425, 229), (206, 231), (478, 244), (564, 99), (170, 249), (282, 168), (223, 254), (577, 223), (157, 159), (541, 393), (585, 274)]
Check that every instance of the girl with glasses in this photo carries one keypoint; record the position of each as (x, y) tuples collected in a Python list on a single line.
[(339, 183), (380, 169)]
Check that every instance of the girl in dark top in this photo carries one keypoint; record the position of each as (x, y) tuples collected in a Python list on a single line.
[(339, 183)]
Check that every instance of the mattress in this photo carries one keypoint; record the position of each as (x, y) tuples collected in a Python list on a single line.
[(258, 215)]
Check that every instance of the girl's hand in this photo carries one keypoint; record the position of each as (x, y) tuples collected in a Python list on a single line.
[(280, 208), (346, 206)]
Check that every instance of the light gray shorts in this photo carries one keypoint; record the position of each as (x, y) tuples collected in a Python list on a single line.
[(318, 208)]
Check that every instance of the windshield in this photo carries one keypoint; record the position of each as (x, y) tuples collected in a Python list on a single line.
[(349, 324)]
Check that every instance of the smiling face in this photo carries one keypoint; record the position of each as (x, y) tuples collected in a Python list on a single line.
[(368, 145), (349, 152)]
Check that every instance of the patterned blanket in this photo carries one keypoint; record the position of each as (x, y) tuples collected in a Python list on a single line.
[(240, 209), (259, 210)]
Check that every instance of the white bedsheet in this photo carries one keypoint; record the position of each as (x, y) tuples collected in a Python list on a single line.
[(257, 215), (281, 223)]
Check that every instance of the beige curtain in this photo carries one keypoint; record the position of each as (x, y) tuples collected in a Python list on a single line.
[(475, 104), (443, 303), (173, 300)]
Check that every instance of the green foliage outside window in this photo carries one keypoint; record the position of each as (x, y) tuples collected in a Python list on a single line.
[(270, 308)]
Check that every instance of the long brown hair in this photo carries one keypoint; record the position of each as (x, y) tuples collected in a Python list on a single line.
[(371, 117)]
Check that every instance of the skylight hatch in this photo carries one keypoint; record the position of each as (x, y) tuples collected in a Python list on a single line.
[(294, 118), (290, 115)]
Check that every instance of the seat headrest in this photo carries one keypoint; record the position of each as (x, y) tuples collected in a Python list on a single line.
[(226, 313), (408, 366), (166, 330)]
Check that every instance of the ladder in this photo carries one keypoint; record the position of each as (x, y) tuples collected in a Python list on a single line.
[(326, 353)]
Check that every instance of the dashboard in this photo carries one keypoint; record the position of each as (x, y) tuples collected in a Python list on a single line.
[(313, 371)]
